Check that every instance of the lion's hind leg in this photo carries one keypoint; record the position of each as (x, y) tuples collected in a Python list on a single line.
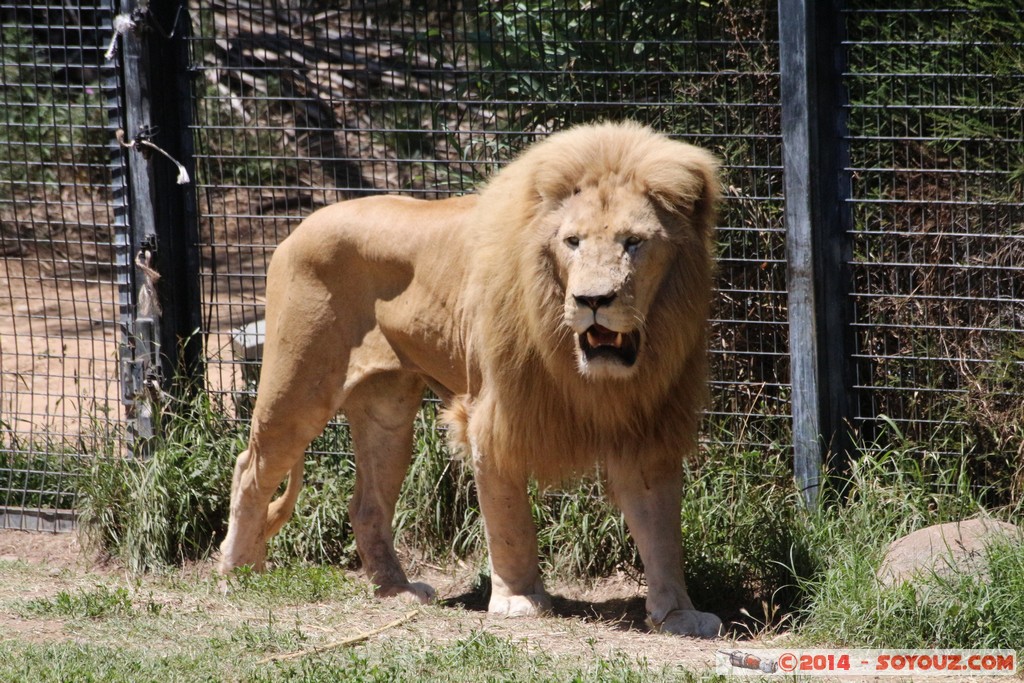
[(276, 449), (295, 402), (282, 507), (382, 412)]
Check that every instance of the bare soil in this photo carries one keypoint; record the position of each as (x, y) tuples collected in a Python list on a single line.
[(603, 618), (58, 344)]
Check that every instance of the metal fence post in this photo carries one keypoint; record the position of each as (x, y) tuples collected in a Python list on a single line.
[(819, 248), (162, 350)]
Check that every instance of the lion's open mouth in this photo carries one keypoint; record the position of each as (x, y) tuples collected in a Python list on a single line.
[(600, 342)]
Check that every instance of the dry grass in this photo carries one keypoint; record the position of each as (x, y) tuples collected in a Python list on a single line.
[(183, 614)]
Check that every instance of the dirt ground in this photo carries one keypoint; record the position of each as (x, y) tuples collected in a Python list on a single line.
[(58, 344), (602, 618)]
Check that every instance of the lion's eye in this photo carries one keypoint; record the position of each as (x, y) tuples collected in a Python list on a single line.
[(632, 242), (573, 241)]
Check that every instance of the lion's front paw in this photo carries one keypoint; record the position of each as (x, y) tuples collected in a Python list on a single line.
[(689, 622), (422, 593), (520, 605)]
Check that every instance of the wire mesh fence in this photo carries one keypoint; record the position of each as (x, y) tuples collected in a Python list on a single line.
[(301, 104), (59, 310), (937, 157), (301, 107)]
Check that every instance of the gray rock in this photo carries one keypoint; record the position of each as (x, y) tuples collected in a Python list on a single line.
[(943, 549)]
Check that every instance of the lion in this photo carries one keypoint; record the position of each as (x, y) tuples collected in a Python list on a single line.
[(561, 316)]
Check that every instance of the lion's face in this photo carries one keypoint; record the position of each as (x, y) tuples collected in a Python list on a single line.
[(611, 252)]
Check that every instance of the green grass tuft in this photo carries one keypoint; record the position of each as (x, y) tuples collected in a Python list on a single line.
[(750, 547), (743, 534), (850, 607), (889, 494), (293, 584), (168, 507), (98, 603)]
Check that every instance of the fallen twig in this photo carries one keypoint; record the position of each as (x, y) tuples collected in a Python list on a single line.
[(342, 643)]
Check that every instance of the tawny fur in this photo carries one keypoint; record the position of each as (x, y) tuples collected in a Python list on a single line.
[(486, 300)]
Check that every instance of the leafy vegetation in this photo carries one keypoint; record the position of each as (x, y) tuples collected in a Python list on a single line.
[(892, 492), (49, 134), (937, 214), (169, 506)]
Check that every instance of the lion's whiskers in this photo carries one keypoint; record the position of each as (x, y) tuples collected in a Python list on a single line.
[(640, 318), (560, 333)]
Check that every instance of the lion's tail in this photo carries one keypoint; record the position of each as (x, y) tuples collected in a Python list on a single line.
[(281, 509), (456, 418)]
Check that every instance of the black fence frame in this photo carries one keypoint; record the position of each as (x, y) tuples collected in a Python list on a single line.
[(162, 348)]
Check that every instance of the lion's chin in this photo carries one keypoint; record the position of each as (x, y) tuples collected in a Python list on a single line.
[(604, 353)]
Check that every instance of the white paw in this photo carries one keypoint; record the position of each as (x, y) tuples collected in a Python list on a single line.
[(417, 592), (520, 605), (689, 622)]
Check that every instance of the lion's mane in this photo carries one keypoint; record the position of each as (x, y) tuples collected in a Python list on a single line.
[(532, 410)]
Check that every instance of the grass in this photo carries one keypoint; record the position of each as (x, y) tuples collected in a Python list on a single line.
[(478, 656), (43, 469), (170, 506), (294, 584), (93, 604), (891, 492), (964, 610), (754, 556), (753, 553), (180, 627)]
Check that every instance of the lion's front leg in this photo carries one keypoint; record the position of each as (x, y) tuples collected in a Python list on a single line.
[(516, 586), (651, 505)]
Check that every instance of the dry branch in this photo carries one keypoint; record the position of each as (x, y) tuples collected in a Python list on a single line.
[(352, 640)]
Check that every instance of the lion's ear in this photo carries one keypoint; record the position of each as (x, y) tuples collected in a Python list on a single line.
[(687, 184)]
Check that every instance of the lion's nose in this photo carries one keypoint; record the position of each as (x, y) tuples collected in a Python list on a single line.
[(596, 302)]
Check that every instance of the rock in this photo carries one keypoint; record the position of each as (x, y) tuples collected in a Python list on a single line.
[(943, 549)]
